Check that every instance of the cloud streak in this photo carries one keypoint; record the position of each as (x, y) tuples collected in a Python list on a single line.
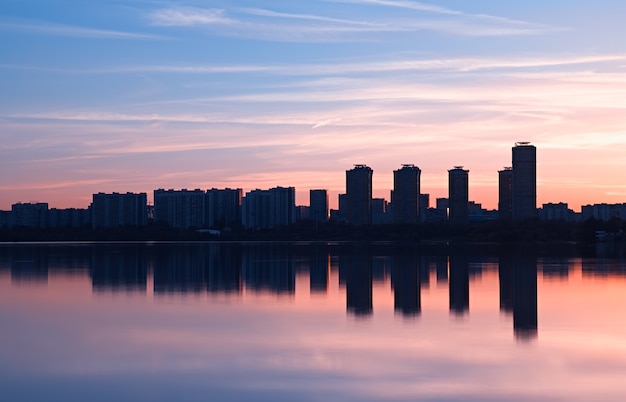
[(265, 24), (46, 28), (406, 64)]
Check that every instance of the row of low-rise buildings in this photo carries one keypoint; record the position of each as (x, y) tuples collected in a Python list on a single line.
[(39, 215), (260, 209)]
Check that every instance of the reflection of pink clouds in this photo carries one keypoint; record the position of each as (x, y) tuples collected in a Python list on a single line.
[(283, 343)]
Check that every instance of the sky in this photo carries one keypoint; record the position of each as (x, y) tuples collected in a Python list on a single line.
[(136, 95)]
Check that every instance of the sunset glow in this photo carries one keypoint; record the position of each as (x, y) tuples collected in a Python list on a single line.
[(134, 96)]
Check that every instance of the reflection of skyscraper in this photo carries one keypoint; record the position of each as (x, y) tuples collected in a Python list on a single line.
[(355, 268), (524, 187), (525, 296), (359, 195), (441, 262), (405, 280), (458, 199), (505, 277), (318, 269), (406, 194), (505, 193), (459, 284)]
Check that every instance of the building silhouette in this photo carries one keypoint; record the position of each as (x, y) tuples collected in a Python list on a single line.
[(266, 209), (358, 198), (505, 193), (223, 207), (556, 211), (318, 203), (424, 204), (68, 217), (111, 210), (180, 209), (524, 189), (380, 212), (603, 212), (32, 215), (458, 195), (405, 197)]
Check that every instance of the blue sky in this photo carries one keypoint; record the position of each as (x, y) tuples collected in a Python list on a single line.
[(138, 95)]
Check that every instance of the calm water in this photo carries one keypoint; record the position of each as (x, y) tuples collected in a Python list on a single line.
[(338, 322)]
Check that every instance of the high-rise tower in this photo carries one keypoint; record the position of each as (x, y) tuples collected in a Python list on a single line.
[(524, 189), (359, 195), (458, 194), (318, 202), (405, 195), (505, 193)]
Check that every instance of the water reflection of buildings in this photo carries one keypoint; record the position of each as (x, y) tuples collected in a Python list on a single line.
[(319, 262), (557, 268), (518, 292), (196, 268), (118, 267), (269, 268), (459, 284), (355, 271), (29, 267), (33, 263), (212, 268), (405, 281)]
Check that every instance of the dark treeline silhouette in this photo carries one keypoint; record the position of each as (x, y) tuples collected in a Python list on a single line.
[(499, 231)]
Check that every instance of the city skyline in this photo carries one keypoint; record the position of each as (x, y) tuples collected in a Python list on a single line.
[(358, 194), (134, 96)]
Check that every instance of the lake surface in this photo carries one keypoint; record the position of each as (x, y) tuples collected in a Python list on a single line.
[(311, 322)]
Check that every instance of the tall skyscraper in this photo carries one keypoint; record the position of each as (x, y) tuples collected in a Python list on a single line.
[(359, 195), (524, 188), (318, 202), (458, 194), (505, 193), (406, 193)]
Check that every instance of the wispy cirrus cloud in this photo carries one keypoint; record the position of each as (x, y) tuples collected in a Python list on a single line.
[(257, 23), (311, 17), (48, 28), (435, 9), (412, 5), (186, 16), (405, 64)]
